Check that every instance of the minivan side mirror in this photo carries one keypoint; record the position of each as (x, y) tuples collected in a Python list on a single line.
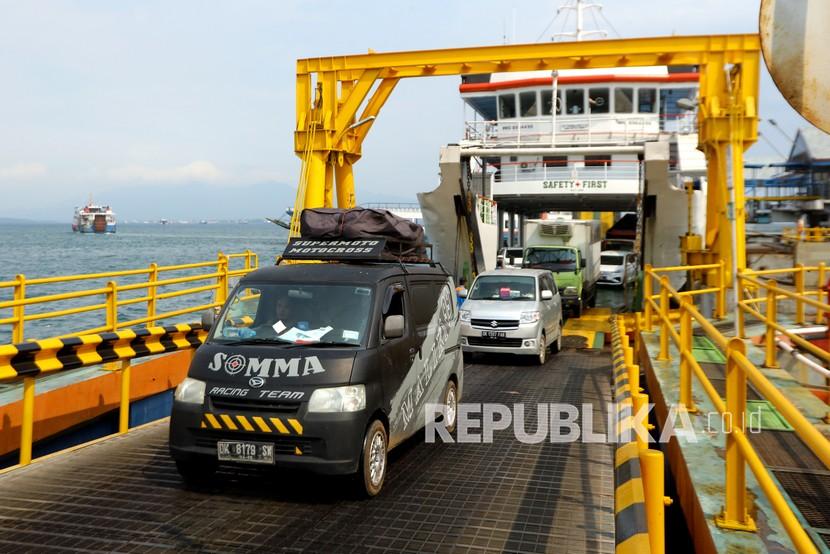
[(582, 263), (547, 295), (393, 326), (208, 319)]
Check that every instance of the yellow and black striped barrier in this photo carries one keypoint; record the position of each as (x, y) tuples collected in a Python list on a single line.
[(633, 524), (34, 358), (252, 424)]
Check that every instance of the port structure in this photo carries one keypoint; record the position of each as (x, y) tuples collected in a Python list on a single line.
[(339, 98), (543, 495)]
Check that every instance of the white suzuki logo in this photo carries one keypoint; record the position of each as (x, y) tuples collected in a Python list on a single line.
[(494, 324)]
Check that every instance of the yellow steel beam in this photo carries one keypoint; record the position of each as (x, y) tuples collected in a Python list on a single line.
[(727, 114), (675, 50)]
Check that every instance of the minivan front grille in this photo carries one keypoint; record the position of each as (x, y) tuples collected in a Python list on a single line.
[(244, 404), (499, 323)]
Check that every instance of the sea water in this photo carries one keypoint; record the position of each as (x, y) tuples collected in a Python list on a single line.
[(47, 250)]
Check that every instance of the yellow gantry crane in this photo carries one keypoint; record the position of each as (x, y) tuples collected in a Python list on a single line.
[(339, 97)]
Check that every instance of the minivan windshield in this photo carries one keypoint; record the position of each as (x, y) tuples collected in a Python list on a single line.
[(610, 259), (555, 259), (296, 314), (507, 287)]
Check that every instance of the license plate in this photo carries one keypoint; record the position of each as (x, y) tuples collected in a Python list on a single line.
[(494, 334), (246, 452)]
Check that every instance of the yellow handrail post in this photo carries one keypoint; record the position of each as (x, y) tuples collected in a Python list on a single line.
[(647, 294), (651, 464), (799, 289), (735, 514), (664, 319), (124, 410), (771, 357), (247, 260), (639, 402), (740, 317), (820, 295), (152, 277), (685, 347), (18, 311), (222, 279), (720, 304), (638, 325), (112, 306), (28, 422)]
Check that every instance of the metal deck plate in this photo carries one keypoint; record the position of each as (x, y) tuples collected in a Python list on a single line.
[(124, 494), (704, 350), (784, 449), (811, 494)]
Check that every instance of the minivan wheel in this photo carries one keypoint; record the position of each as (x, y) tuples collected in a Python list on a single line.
[(450, 406), (373, 459), (542, 356)]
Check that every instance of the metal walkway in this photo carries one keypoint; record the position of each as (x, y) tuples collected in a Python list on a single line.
[(123, 494)]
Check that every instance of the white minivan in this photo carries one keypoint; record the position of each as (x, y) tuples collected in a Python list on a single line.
[(617, 267), (512, 311)]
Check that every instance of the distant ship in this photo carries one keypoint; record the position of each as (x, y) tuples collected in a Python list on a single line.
[(93, 218)]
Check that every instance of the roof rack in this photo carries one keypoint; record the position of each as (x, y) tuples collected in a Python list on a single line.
[(372, 250)]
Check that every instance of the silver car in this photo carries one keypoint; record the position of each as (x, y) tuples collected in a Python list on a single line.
[(514, 311)]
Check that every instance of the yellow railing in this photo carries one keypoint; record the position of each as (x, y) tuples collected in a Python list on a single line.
[(808, 234), (755, 290), (739, 371), (211, 275), (153, 290)]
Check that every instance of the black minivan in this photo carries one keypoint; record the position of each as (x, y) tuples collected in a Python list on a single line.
[(324, 366)]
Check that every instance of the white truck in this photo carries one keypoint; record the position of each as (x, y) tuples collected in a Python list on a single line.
[(571, 250)]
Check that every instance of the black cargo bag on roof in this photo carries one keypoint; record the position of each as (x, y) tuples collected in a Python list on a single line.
[(403, 238)]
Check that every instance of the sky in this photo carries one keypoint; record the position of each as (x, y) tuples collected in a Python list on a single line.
[(185, 109)]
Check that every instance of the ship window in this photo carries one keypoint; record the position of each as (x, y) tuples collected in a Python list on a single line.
[(485, 105), (547, 102), (556, 161), (623, 100), (600, 160), (599, 100), (575, 101), (527, 103), (507, 106), (668, 101), (647, 100)]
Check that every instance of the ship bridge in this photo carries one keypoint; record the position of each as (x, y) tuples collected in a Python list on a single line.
[(734, 457)]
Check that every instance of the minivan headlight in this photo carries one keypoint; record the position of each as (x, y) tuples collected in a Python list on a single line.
[(570, 291), (190, 391), (464, 315), (338, 399), (529, 317)]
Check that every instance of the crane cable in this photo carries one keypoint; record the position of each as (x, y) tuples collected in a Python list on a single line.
[(302, 186)]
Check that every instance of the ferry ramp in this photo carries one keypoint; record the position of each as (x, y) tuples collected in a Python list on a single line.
[(123, 494)]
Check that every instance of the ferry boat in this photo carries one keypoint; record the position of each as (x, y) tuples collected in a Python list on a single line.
[(93, 218), (576, 142)]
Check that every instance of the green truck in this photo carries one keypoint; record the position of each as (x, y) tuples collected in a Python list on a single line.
[(571, 250)]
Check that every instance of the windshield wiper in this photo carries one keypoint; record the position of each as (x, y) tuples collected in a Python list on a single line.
[(259, 340), (332, 343)]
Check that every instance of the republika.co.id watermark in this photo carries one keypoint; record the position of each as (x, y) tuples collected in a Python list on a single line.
[(563, 423)]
